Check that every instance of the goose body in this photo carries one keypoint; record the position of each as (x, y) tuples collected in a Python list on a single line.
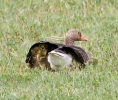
[(67, 54)]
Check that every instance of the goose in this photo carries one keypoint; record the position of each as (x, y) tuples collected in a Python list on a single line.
[(55, 56)]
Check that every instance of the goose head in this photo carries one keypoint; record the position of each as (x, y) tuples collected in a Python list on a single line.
[(72, 36)]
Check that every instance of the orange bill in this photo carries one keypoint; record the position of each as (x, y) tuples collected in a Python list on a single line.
[(83, 38)]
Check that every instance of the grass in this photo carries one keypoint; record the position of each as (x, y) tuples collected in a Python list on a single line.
[(23, 23)]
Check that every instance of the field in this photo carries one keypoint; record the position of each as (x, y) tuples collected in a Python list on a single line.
[(25, 22)]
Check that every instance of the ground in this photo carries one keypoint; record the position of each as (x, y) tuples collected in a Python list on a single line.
[(24, 22)]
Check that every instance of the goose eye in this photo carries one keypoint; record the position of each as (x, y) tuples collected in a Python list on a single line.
[(80, 34)]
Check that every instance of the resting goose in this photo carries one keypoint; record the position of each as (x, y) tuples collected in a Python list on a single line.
[(57, 56)]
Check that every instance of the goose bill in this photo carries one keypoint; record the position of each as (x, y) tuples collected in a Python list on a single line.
[(83, 38)]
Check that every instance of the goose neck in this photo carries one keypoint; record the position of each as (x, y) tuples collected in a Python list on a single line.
[(69, 41)]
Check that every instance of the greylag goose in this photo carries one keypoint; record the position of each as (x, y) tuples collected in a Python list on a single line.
[(57, 56)]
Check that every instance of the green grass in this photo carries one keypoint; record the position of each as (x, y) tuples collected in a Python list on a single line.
[(24, 22)]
